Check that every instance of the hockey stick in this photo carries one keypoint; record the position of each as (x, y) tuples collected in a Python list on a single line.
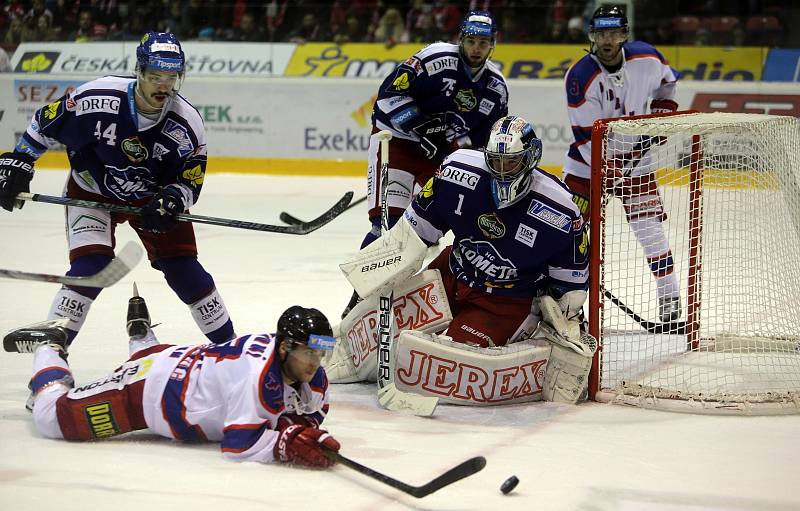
[(389, 397), (302, 228), (293, 220), (670, 327), (460, 471), (122, 263)]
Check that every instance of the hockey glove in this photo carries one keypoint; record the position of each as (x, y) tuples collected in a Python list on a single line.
[(304, 445), (432, 133), (663, 106), (16, 172), (161, 213)]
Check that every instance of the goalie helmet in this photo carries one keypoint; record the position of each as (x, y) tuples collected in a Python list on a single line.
[(511, 153), (309, 327)]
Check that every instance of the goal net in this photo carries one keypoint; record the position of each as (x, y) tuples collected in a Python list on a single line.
[(728, 184)]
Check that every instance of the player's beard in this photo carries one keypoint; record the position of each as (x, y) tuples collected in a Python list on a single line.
[(609, 54)]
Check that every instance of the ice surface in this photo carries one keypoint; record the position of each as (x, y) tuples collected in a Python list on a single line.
[(588, 457)]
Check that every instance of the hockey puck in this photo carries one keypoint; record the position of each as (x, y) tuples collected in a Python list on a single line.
[(509, 484)]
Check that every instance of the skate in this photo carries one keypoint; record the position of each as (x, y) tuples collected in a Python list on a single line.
[(138, 320), (52, 332), (669, 308), (352, 303)]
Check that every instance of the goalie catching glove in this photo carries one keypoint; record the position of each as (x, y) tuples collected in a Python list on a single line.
[(301, 443)]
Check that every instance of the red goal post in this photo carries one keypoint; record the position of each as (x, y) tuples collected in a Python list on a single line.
[(728, 184)]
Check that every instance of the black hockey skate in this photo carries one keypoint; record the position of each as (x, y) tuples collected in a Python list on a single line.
[(138, 323), (669, 308), (52, 332)]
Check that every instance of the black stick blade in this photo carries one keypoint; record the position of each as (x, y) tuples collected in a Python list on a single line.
[(457, 473)]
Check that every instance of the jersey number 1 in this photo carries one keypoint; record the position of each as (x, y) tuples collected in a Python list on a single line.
[(110, 133)]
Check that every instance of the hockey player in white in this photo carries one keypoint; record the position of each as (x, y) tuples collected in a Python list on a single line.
[(262, 396), (620, 79)]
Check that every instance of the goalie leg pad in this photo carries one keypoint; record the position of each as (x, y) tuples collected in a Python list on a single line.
[(567, 375), (419, 304), (435, 365)]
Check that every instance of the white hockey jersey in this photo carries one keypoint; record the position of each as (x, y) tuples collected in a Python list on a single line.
[(593, 93), (231, 393)]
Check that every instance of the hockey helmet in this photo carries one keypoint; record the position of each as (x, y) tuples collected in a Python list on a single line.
[(608, 18), (479, 24), (160, 51), (511, 153), (308, 327)]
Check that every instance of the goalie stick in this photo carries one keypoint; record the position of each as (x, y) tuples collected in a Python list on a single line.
[(389, 397), (293, 220), (670, 327), (460, 471), (122, 263), (302, 228)]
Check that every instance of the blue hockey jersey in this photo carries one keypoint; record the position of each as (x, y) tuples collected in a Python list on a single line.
[(435, 80), (116, 152), (535, 244)]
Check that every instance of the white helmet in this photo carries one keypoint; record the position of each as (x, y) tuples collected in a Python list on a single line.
[(512, 152)]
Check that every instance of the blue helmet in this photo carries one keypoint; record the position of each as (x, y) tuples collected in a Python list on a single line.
[(479, 24), (160, 51)]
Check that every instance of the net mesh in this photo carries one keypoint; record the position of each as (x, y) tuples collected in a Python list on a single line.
[(724, 236)]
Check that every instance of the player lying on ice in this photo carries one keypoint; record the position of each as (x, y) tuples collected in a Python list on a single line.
[(263, 397), (519, 255)]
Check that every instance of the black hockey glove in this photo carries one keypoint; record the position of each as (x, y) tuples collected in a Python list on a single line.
[(16, 172), (432, 133), (161, 213)]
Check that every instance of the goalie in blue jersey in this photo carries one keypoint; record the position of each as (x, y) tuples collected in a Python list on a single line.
[(130, 140)]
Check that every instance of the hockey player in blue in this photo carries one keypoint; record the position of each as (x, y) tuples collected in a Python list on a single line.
[(517, 236), (130, 140), (444, 97)]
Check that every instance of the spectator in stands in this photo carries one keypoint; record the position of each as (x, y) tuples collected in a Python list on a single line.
[(352, 31), (37, 10), (512, 29), (14, 33), (88, 30), (421, 25), (557, 34), (248, 31), (575, 33), (391, 28), (41, 32), (448, 19), (310, 30)]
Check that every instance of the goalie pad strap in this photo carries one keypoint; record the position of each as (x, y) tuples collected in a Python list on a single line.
[(390, 259)]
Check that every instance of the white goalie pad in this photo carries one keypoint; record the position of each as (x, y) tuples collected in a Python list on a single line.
[(567, 374), (456, 373), (387, 261), (420, 303)]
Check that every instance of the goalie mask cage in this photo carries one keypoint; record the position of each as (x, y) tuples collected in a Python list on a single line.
[(729, 188)]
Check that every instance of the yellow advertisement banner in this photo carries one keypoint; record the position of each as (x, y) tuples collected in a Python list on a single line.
[(369, 60)]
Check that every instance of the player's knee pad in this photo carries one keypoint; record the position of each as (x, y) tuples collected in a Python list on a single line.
[(644, 206), (420, 303), (434, 365)]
